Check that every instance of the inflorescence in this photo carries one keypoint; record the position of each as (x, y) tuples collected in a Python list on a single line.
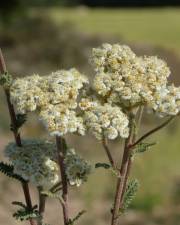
[(77, 169), (34, 162), (122, 83), (54, 97), (127, 80)]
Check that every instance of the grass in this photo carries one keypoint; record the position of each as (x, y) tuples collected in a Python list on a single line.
[(153, 26)]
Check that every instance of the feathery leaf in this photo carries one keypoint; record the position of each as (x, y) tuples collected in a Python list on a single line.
[(130, 193), (8, 171)]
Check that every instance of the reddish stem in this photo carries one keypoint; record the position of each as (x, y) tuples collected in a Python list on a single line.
[(60, 151), (120, 182), (16, 134)]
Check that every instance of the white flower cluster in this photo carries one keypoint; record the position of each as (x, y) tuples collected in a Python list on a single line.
[(104, 120), (34, 162), (77, 169), (167, 101), (125, 79), (122, 81), (54, 97)]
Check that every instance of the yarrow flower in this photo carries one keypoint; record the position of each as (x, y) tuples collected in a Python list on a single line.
[(77, 169), (59, 120), (166, 101), (124, 79), (34, 161), (104, 120), (54, 97)]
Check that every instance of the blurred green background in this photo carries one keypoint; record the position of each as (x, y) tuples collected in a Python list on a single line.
[(40, 38)]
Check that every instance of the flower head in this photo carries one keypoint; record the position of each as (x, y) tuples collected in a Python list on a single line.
[(105, 120), (124, 79), (59, 120), (77, 169), (34, 161), (54, 97)]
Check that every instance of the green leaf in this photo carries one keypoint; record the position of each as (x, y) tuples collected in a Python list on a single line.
[(5, 79), (21, 204), (72, 221), (102, 165), (143, 147), (8, 171), (26, 214), (130, 193)]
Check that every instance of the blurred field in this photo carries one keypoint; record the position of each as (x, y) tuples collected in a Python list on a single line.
[(153, 26), (39, 44)]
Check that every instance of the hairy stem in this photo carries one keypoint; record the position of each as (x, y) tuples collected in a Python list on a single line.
[(122, 177), (60, 153), (111, 160), (17, 136), (134, 135)]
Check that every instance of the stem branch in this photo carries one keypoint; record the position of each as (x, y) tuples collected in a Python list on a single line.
[(152, 132), (121, 180), (111, 160)]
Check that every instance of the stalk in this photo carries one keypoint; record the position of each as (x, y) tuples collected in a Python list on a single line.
[(17, 136), (122, 177), (60, 154), (134, 136)]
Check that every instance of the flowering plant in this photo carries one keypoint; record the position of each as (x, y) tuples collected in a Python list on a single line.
[(123, 88)]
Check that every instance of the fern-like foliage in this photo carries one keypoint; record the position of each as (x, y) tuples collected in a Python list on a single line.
[(72, 221), (129, 194), (25, 213), (5, 79), (143, 147), (21, 204), (102, 165), (8, 171), (53, 195), (107, 167)]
